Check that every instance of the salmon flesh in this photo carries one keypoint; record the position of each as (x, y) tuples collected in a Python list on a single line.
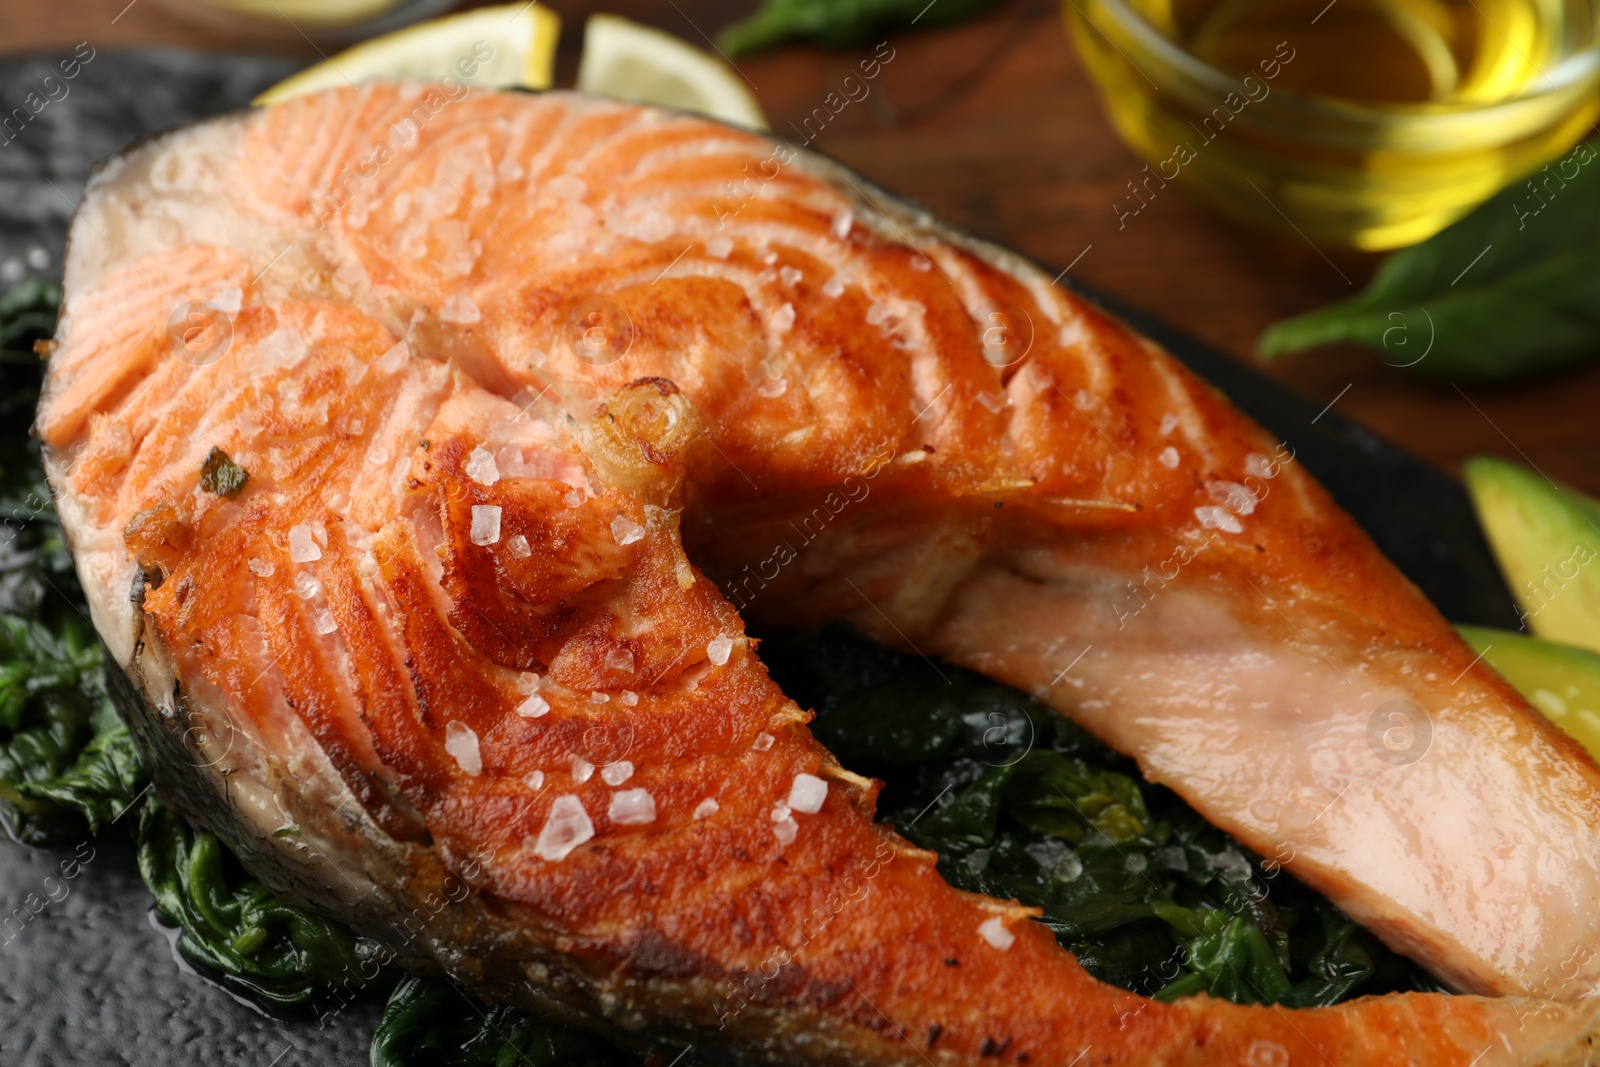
[(424, 457)]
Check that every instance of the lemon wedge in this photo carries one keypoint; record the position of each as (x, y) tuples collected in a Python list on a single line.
[(510, 45), (632, 62), (318, 14)]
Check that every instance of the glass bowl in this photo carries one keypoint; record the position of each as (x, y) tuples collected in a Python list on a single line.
[(1367, 174)]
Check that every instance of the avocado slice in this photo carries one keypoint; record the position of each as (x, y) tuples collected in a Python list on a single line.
[(1560, 680), (1547, 539)]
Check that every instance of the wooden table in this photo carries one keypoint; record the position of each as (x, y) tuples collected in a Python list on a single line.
[(994, 125)]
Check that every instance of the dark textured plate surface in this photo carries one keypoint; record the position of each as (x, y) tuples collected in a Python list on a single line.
[(86, 977)]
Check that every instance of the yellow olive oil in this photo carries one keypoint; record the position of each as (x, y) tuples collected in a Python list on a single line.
[(1369, 123)]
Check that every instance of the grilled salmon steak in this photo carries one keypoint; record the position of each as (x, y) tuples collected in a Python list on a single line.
[(424, 457)]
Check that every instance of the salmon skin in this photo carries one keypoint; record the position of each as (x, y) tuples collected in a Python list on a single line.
[(422, 460)]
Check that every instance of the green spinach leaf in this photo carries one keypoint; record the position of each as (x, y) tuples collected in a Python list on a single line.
[(67, 764), (234, 925), (36, 575), (429, 1023)]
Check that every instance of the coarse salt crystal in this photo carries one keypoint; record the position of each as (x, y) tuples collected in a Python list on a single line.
[(485, 524), (833, 288), (773, 387), (790, 275), (567, 827), (567, 186), (307, 585), (807, 793), (620, 659), (654, 226), (922, 263), (534, 780), (1169, 422), (481, 466), (229, 300), (616, 773), (325, 622), (1169, 457), (1214, 518), (574, 498), (780, 811), (397, 479), (877, 313), (720, 247), (625, 531), (706, 808), (1260, 466), (534, 707), (628, 698), (719, 650), (461, 741), (782, 319), (302, 548), (994, 931), (459, 309), (518, 547), (762, 742), (1233, 865), (283, 347), (632, 807), (786, 830), (1048, 852), (262, 568), (397, 356), (598, 697), (1236, 498), (582, 769), (842, 223), (350, 273)]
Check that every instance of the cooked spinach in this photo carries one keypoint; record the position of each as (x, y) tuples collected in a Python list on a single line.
[(36, 575), (424, 1025), (67, 764), (234, 925), (1511, 289), (1020, 803)]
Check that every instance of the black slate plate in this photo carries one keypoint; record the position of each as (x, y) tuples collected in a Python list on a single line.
[(85, 976)]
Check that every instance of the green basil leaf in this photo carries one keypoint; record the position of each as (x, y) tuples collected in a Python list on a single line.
[(838, 22), (1511, 289)]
